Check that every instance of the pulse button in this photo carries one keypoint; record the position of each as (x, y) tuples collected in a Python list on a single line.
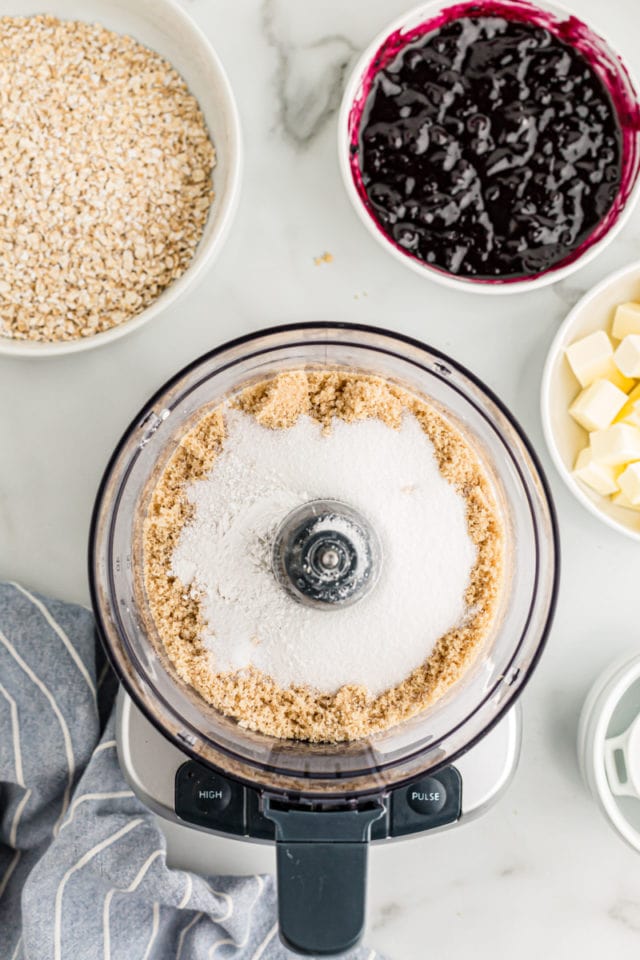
[(427, 796), (211, 792)]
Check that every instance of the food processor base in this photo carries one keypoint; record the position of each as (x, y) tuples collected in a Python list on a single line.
[(319, 805), (158, 773)]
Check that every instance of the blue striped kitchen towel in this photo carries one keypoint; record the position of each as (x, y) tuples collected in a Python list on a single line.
[(83, 870)]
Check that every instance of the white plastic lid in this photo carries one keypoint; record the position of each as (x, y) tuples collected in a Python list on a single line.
[(609, 746)]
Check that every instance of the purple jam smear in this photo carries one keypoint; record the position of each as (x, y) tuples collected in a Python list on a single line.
[(495, 145), (490, 148)]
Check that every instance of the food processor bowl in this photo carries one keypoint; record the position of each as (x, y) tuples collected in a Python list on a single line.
[(325, 776)]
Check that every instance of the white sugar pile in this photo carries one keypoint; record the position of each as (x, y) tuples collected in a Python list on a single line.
[(392, 478)]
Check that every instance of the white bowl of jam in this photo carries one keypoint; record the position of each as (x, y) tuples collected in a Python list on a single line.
[(491, 146)]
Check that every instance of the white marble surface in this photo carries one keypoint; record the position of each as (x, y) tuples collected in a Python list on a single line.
[(542, 873)]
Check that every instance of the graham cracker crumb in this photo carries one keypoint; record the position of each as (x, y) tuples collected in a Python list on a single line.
[(325, 257), (252, 697)]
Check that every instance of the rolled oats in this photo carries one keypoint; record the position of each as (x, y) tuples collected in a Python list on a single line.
[(105, 178)]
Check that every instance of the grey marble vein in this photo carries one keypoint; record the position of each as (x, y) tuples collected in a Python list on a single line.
[(387, 913), (309, 78), (627, 912), (569, 292)]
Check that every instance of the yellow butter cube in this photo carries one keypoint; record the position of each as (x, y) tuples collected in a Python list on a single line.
[(617, 445), (597, 405), (598, 476), (617, 378), (632, 399), (627, 356), (629, 483), (591, 357), (631, 409), (630, 413), (626, 320), (621, 500)]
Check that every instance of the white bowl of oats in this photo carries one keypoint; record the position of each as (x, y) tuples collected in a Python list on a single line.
[(120, 161)]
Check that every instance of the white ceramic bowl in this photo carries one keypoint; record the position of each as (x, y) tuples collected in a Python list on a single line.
[(564, 437), (620, 806), (607, 62), (163, 26)]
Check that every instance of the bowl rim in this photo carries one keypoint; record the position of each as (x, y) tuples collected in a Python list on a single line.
[(598, 709), (197, 269), (469, 285), (556, 348)]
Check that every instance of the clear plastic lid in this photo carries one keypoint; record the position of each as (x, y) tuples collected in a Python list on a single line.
[(451, 724)]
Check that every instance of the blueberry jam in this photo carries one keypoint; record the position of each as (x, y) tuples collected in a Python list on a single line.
[(489, 148)]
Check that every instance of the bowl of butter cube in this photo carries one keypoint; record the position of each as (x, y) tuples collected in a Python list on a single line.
[(591, 400)]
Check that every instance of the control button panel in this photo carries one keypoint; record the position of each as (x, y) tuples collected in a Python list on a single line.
[(427, 803), (211, 792), (210, 800), (427, 796)]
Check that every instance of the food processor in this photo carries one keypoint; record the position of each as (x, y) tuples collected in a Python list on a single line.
[(322, 803)]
